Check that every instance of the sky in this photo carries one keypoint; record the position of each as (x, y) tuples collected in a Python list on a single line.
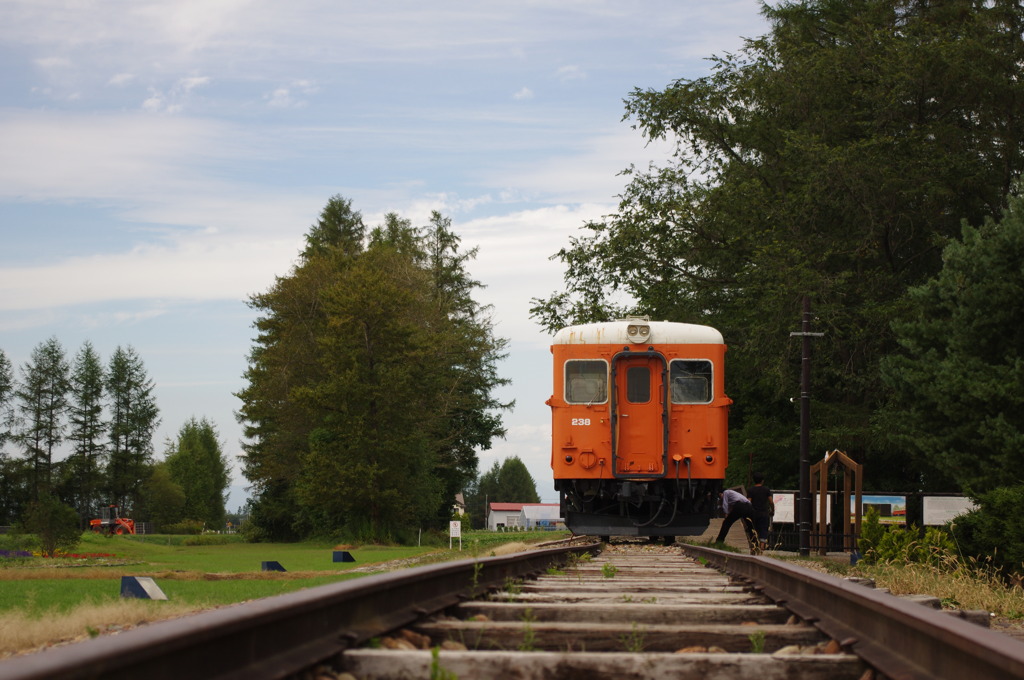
[(161, 162)]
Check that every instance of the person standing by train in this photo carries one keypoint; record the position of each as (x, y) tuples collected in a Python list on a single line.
[(736, 507), (764, 507)]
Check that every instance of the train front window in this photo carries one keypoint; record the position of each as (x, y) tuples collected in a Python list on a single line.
[(691, 381), (586, 382), (638, 385)]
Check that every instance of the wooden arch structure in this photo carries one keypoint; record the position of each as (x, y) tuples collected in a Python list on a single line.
[(852, 485)]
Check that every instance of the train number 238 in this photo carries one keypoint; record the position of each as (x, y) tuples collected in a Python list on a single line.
[(581, 421)]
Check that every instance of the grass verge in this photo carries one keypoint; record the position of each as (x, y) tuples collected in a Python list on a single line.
[(957, 584), (50, 601)]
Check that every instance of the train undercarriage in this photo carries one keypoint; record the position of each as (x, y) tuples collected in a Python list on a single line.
[(638, 507)]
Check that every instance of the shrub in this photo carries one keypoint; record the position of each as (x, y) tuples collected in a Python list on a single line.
[(879, 543), (188, 527), (993, 531), (208, 539), (53, 523), (871, 532)]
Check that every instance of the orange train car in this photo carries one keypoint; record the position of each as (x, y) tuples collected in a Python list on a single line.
[(639, 427)]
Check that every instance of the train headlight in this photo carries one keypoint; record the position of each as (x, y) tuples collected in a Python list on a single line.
[(638, 332)]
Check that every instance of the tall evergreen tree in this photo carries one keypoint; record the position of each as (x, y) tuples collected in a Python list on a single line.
[(368, 384), (87, 431), (829, 158), (134, 417), (283, 359), (340, 230), (197, 464), (958, 383), (369, 463), (15, 487), (6, 401), (43, 402), (14, 472), (472, 412), (507, 482)]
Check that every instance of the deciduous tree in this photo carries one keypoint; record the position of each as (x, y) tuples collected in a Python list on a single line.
[(830, 158), (53, 523), (163, 499)]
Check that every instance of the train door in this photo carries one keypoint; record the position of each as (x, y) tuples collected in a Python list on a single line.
[(639, 438)]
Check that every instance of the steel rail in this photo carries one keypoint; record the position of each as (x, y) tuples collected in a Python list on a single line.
[(278, 636), (901, 639)]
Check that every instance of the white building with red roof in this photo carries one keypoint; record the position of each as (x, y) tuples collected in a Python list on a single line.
[(520, 516)]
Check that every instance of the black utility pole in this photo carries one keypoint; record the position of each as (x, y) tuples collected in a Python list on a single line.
[(804, 500)]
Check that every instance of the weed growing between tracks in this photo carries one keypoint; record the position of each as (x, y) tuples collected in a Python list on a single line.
[(633, 641), (757, 639), (436, 670), (529, 636)]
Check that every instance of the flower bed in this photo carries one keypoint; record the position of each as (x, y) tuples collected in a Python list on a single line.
[(14, 554)]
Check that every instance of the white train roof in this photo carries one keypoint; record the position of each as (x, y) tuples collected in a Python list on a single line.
[(617, 333)]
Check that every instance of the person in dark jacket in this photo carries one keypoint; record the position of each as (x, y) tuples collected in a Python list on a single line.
[(764, 507), (735, 506)]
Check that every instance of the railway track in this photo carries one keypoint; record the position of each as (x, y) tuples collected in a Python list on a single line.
[(629, 611), (633, 611)]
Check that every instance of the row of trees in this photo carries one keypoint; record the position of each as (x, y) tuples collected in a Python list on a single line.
[(84, 432), (104, 417), (370, 382)]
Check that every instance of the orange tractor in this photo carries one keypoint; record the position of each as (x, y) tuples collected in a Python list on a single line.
[(111, 523)]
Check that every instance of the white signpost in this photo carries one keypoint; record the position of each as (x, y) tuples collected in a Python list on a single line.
[(454, 531)]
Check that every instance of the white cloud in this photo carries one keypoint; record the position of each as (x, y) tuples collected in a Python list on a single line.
[(189, 84), (153, 103), (193, 270), (523, 93), (285, 97), (570, 72), (51, 155), (281, 98), (590, 173), (175, 100), (121, 79), (51, 63)]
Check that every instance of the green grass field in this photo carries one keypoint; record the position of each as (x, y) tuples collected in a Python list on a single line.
[(207, 575)]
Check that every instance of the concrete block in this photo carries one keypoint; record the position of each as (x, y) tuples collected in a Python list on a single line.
[(142, 587)]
